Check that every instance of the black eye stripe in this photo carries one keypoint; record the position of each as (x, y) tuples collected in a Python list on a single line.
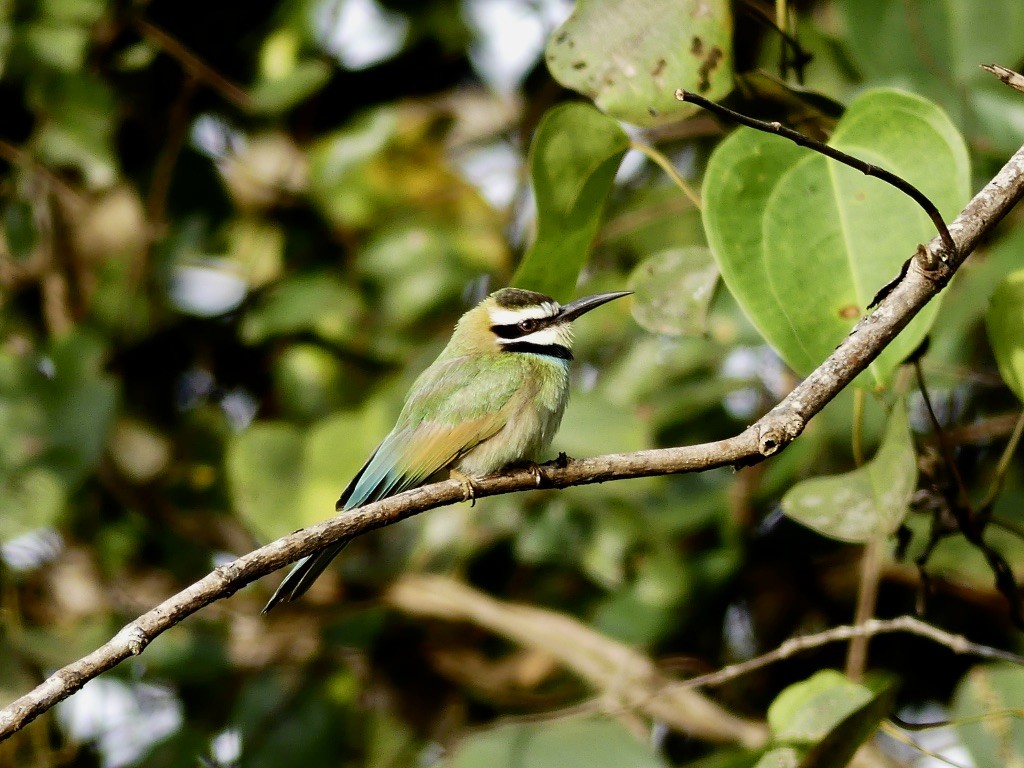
[(513, 331)]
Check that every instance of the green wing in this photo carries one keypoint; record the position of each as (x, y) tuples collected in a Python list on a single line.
[(453, 407)]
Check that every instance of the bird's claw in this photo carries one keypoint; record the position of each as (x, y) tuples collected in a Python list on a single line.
[(468, 488), (534, 469)]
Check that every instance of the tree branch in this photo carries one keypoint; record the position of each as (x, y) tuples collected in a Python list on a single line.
[(767, 436)]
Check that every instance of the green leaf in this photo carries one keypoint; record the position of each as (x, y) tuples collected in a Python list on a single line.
[(868, 502), (575, 154), (950, 39), (804, 243), (993, 735), (62, 47), (81, 118), (283, 477), (277, 95), (1005, 325), (318, 303), (33, 498), (55, 412), (630, 57), (822, 721), (673, 291), (20, 229), (560, 744)]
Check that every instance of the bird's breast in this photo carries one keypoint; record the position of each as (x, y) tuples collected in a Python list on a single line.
[(533, 416)]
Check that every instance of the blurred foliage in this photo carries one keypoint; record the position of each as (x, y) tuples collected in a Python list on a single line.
[(232, 234)]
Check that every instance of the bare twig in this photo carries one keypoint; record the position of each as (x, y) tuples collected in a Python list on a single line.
[(867, 169), (194, 65), (963, 500), (867, 598), (925, 277), (1013, 79), (628, 680), (956, 643), (987, 504)]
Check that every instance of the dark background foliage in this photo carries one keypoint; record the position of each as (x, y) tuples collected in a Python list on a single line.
[(230, 244)]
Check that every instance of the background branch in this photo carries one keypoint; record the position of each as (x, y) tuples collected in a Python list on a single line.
[(766, 437)]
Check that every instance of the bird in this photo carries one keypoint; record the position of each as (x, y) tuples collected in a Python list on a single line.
[(494, 397)]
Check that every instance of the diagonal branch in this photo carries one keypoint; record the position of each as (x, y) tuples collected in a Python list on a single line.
[(767, 436)]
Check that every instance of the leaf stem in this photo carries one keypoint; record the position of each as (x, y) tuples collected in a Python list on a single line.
[(985, 508), (666, 165)]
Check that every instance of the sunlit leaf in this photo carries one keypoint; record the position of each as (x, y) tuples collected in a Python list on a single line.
[(804, 243), (283, 477), (1005, 325), (950, 39), (318, 303), (988, 703), (823, 720), (573, 159), (630, 57), (673, 291), (273, 96), (558, 744), (868, 502)]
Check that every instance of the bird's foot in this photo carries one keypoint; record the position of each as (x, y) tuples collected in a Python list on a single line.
[(468, 488), (534, 469)]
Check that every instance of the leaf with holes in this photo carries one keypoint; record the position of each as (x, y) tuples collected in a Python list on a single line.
[(804, 242), (630, 57)]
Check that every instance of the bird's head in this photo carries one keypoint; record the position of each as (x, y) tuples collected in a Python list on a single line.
[(516, 320)]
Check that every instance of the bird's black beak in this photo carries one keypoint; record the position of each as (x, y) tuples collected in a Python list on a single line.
[(574, 309)]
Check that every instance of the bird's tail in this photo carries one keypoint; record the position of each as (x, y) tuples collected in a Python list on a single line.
[(303, 574)]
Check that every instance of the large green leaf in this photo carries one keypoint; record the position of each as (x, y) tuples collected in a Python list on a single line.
[(822, 721), (804, 243), (575, 154), (558, 744), (868, 502), (1005, 325), (989, 702), (935, 47), (630, 57)]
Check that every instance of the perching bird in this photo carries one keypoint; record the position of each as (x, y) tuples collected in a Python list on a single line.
[(493, 397)]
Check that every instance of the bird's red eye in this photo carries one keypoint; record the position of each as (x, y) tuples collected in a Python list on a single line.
[(527, 325)]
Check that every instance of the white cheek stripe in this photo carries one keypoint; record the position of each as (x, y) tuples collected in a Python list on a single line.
[(501, 316), (556, 334)]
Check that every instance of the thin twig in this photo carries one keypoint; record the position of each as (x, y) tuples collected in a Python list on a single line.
[(194, 65), (766, 437), (971, 525), (867, 598), (958, 644), (894, 732), (963, 500), (1013, 79), (904, 186), (985, 508)]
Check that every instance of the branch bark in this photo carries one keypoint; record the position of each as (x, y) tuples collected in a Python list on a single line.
[(925, 276)]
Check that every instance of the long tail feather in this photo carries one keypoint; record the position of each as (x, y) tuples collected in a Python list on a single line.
[(303, 574)]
